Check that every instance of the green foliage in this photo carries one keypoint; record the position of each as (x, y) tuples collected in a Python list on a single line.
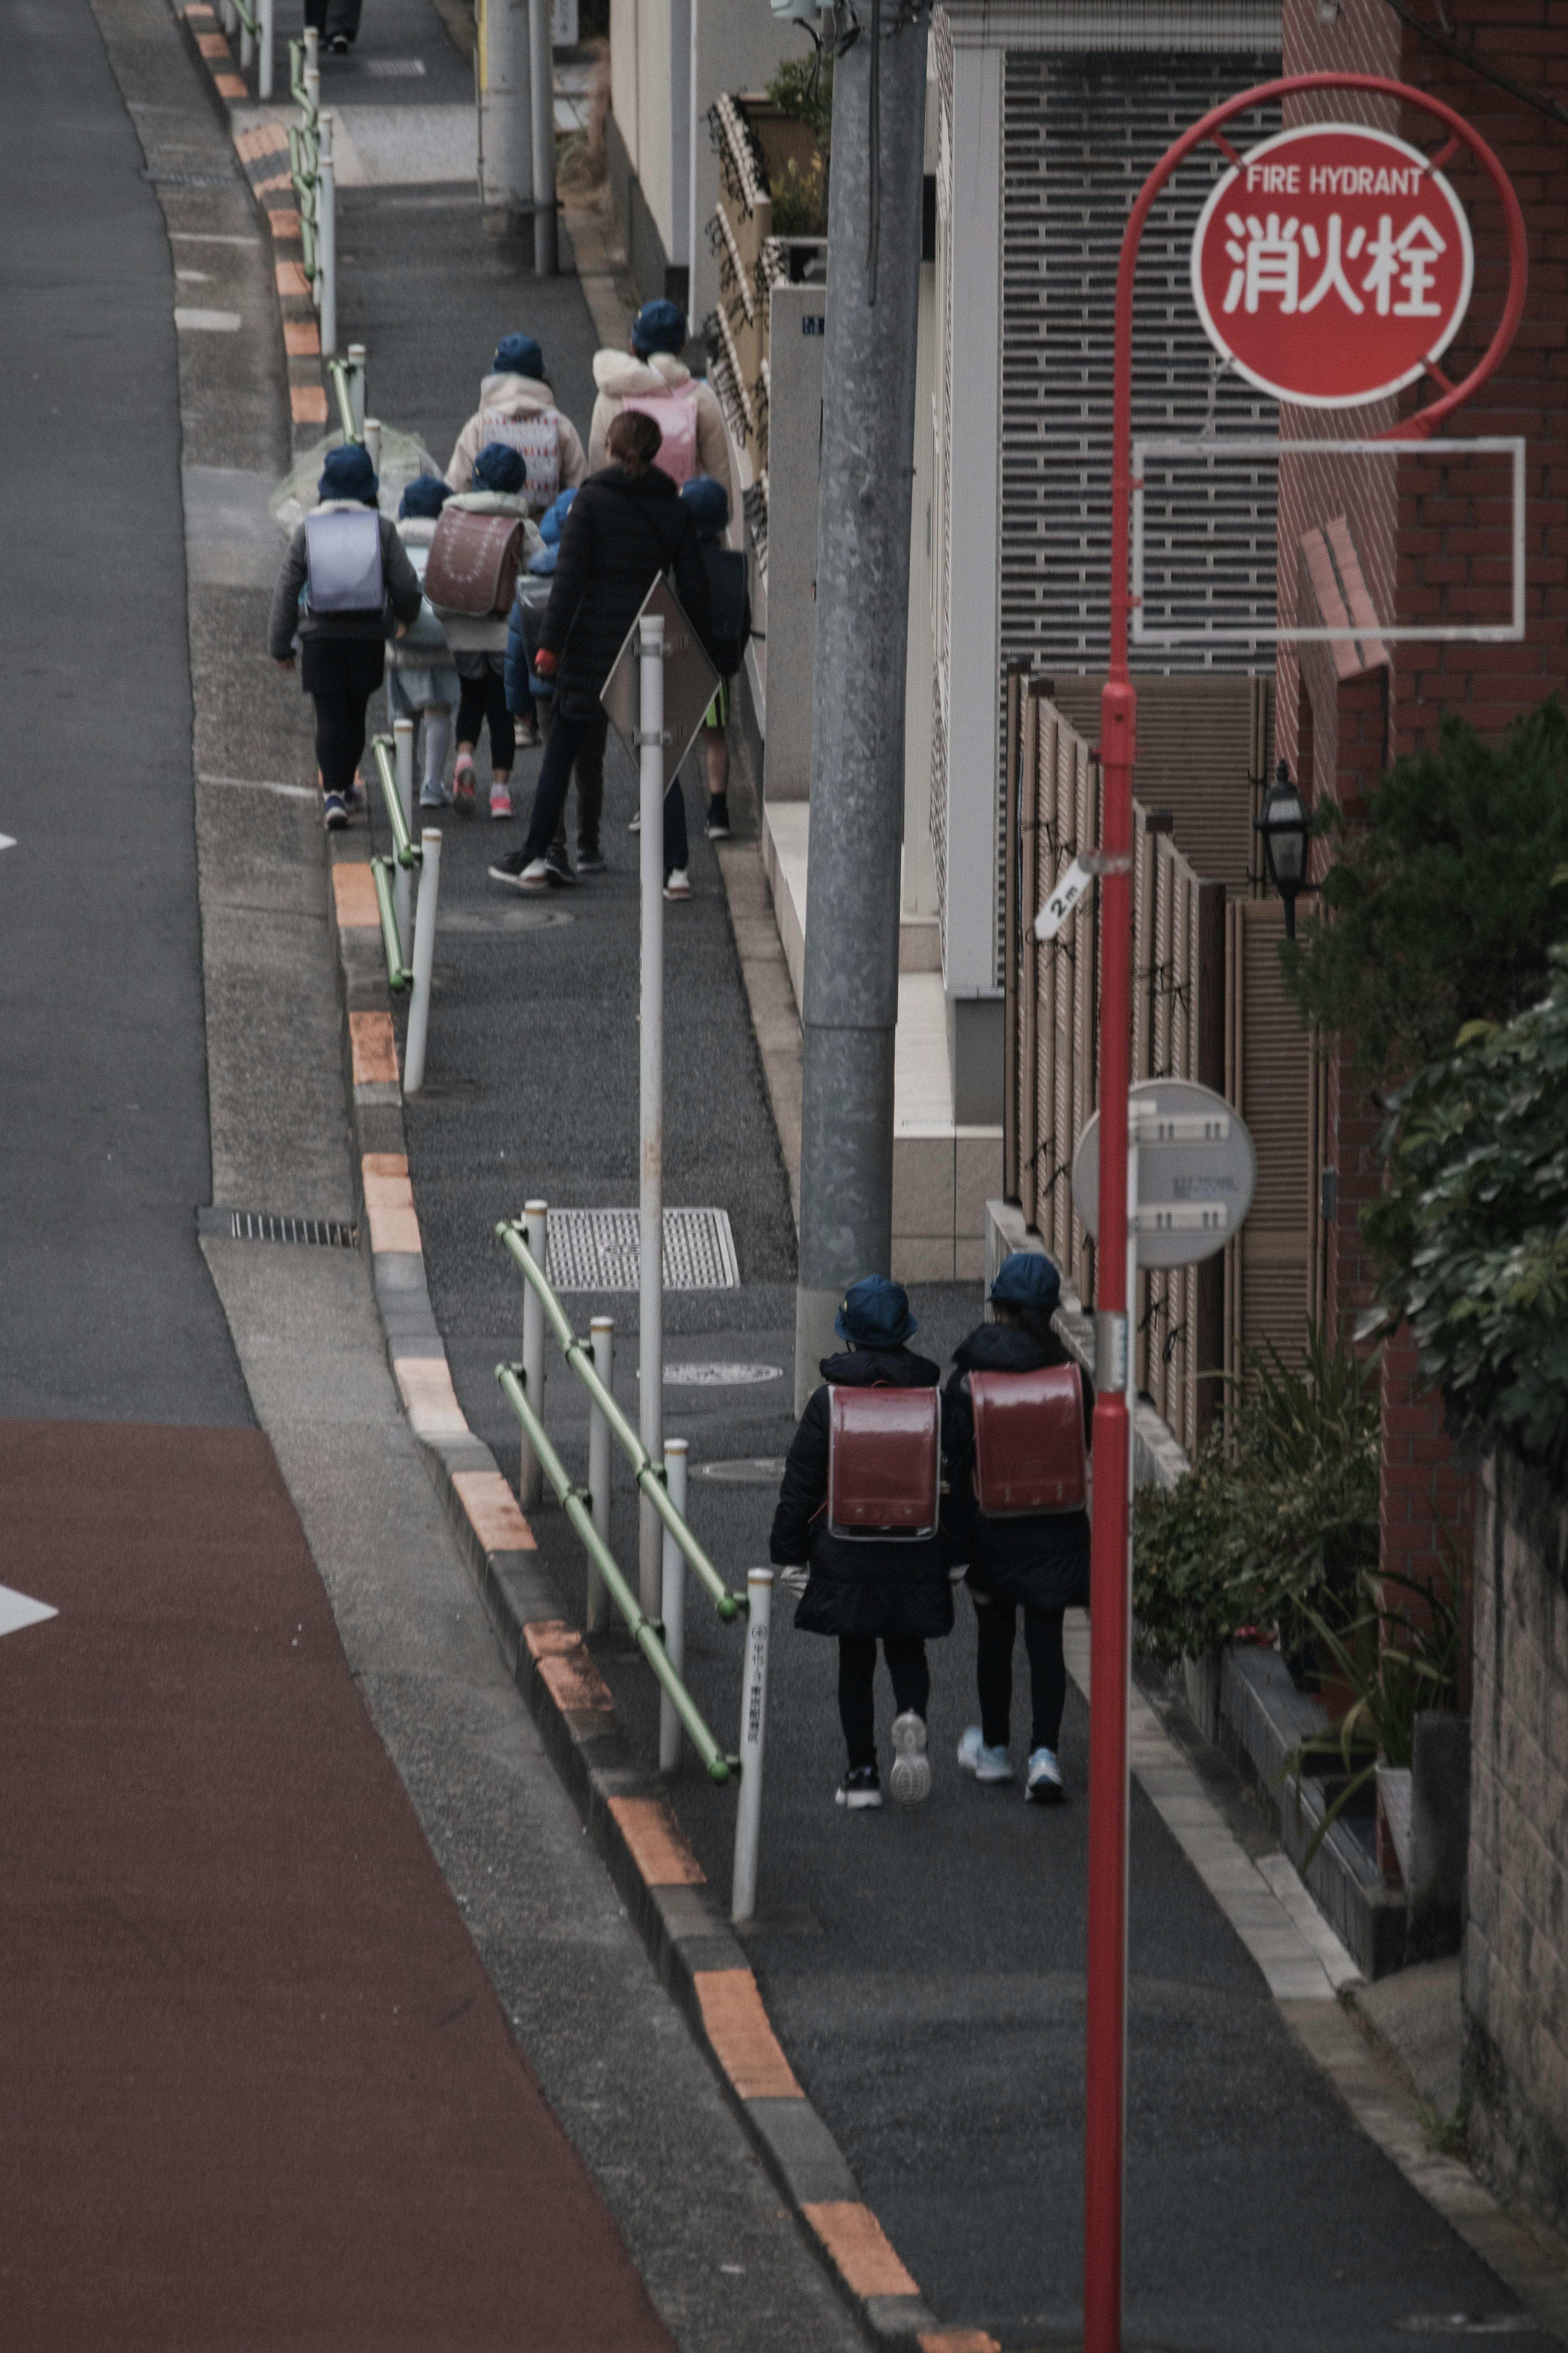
[(1277, 1521), (1438, 909), (1472, 1237), (800, 200), (1396, 1661), (803, 89)]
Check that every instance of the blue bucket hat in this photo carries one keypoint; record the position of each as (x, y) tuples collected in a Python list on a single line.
[(1027, 1279), (499, 467), (659, 327), (349, 474), (519, 355), (553, 523), (875, 1314), (425, 496), (709, 504)]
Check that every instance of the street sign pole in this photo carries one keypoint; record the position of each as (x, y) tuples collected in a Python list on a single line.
[(1111, 1589), (650, 1315)]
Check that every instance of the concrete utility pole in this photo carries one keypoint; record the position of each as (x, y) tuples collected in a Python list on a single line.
[(862, 618), (503, 87)]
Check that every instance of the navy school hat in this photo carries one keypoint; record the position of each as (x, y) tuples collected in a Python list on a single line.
[(519, 355), (875, 1314), (349, 474), (499, 467), (659, 327), (425, 496), (1027, 1279), (709, 504)]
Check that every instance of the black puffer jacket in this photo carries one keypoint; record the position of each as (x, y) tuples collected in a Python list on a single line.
[(857, 1588), (1043, 1556), (621, 532)]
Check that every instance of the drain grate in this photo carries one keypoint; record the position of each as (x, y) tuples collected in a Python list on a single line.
[(395, 69), (326, 1233), (596, 1250)]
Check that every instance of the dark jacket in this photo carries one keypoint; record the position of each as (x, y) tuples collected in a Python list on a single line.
[(398, 577), (1043, 1556), (621, 531), (857, 1588)]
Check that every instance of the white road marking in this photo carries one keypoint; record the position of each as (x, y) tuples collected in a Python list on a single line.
[(260, 785), (7, 841), (207, 322), (18, 1610)]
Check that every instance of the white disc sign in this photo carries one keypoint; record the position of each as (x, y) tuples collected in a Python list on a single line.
[(1196, 1170)]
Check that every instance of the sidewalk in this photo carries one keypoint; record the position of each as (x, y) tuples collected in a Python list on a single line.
[(924, 1971)]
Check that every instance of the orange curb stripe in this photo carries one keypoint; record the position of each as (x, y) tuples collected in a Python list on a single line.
[(285, 222), (230, 85), (372, 1050), (861, 2248), (492, 1511), (198, 8), (302, 338), (271, 138), (575, 1684), (267, 187), (354, 890), (424, 1385), (657, 1841), (291, 279), (384, 1163), (212, 45), (549, 1637), (307, 406), (747, 2048), (389, 1206), (957, 2340)]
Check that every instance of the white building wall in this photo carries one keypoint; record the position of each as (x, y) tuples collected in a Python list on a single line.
[(624, 72)]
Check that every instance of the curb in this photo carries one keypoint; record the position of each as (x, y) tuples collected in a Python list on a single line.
[(624, 1807)]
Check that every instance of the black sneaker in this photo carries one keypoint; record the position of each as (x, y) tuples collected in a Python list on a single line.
[(718, 825), (560, 866), (860, 1789), (340, 45), (591, 860), (507, 869)]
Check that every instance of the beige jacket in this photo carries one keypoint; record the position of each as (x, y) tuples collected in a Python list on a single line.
[(621, 374), (515, 396)]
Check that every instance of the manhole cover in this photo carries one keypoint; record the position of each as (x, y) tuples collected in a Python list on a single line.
[(703, 1375), (746, 1471), (597, 1250), (492, 922)]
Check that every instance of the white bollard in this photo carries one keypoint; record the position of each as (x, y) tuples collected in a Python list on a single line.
[(402, 889), (326, 287), (754, 1730), (675, 1459), (373, 441), (227, 16), (650, 1337), (264, 45), (602, 1346), (424, 958), (324, 134), (356, 388), (530, 1471), (311, 75)]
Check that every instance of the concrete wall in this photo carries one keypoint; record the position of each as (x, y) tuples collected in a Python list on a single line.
[(1516, 1937), (796, 339)]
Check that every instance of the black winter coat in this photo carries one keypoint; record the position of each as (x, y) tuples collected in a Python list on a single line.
[(622, 530), (1041, 1558), (885, 1587)]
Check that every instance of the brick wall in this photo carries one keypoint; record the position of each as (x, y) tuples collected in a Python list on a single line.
[(1516, 1937)]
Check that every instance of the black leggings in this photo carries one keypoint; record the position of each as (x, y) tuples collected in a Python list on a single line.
[(994, 1671), (567, 739), (339, 675), (484, 698), (906, 1657)]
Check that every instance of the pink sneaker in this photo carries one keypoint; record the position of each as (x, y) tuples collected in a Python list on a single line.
[(463, 787), (501, 800)]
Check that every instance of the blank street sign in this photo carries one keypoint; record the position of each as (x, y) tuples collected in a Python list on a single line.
[(691, 682)]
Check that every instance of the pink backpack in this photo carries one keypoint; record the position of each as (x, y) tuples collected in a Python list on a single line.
[(675, 414)]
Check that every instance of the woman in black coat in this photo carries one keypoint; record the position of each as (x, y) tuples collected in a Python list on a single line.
[(1038, 1561), (625, 526), (863, 1589)]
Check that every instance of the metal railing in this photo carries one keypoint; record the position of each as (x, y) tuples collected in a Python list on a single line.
[(256, 39), (314, 174), (660, 1632), (407, 931)]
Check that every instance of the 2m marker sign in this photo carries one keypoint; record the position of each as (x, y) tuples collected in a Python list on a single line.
[(1331, 265)]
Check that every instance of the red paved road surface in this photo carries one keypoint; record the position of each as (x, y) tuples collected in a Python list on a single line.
[(255, 2089)]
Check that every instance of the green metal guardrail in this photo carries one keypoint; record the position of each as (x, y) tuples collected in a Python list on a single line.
[(409, 850), (339, 371), (406, 854)]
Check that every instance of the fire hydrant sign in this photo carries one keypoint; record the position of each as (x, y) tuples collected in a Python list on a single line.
[(1331, 265)]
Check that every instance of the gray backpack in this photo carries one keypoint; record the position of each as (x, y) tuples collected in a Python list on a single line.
[(343, 561)]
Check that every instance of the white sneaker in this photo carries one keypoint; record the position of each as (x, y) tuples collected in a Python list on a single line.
[(985, 1764), (910, 1779), (678, 885), (635, 825), (860, 1791), (1045, 1786)]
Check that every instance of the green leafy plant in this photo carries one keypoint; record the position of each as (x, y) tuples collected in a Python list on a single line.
[(803, 90), (1472, 1234), (1276, 1520), (1395, 1660), (800, 200), (1440, 908)]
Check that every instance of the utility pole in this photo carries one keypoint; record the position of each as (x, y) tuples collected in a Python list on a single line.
[(502, 85), (851, 995)]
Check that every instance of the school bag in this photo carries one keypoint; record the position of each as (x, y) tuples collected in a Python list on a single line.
[(533, 599), (729, 606), (884, 1462), (1029, 1453), (474, 563), (537, 440), (675, 414), (342, 562)]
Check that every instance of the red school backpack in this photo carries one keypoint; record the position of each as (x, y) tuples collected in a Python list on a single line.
[(474, 563), (1028, 1441), (884, 1462)]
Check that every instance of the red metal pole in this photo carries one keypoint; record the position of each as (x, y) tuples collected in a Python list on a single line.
[(1110, 1583)]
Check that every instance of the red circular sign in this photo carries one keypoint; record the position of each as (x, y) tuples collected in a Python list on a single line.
[(1331, 264)]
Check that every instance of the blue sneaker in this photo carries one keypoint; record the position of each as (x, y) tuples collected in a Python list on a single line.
[(985, 1764), (334, 812), (1044, 1787)]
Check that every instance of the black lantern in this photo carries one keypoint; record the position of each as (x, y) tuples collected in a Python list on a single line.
[(1284, 827)]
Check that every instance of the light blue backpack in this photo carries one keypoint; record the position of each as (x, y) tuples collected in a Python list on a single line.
[(342, 560)]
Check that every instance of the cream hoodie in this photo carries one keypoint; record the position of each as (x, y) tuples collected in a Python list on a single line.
[(515, 396), (618, 374)]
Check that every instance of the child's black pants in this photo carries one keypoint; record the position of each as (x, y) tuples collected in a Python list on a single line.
[(906, 1657), (994, 1671)]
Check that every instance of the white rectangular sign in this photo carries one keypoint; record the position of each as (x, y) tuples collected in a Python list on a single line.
[(1070, 888)]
